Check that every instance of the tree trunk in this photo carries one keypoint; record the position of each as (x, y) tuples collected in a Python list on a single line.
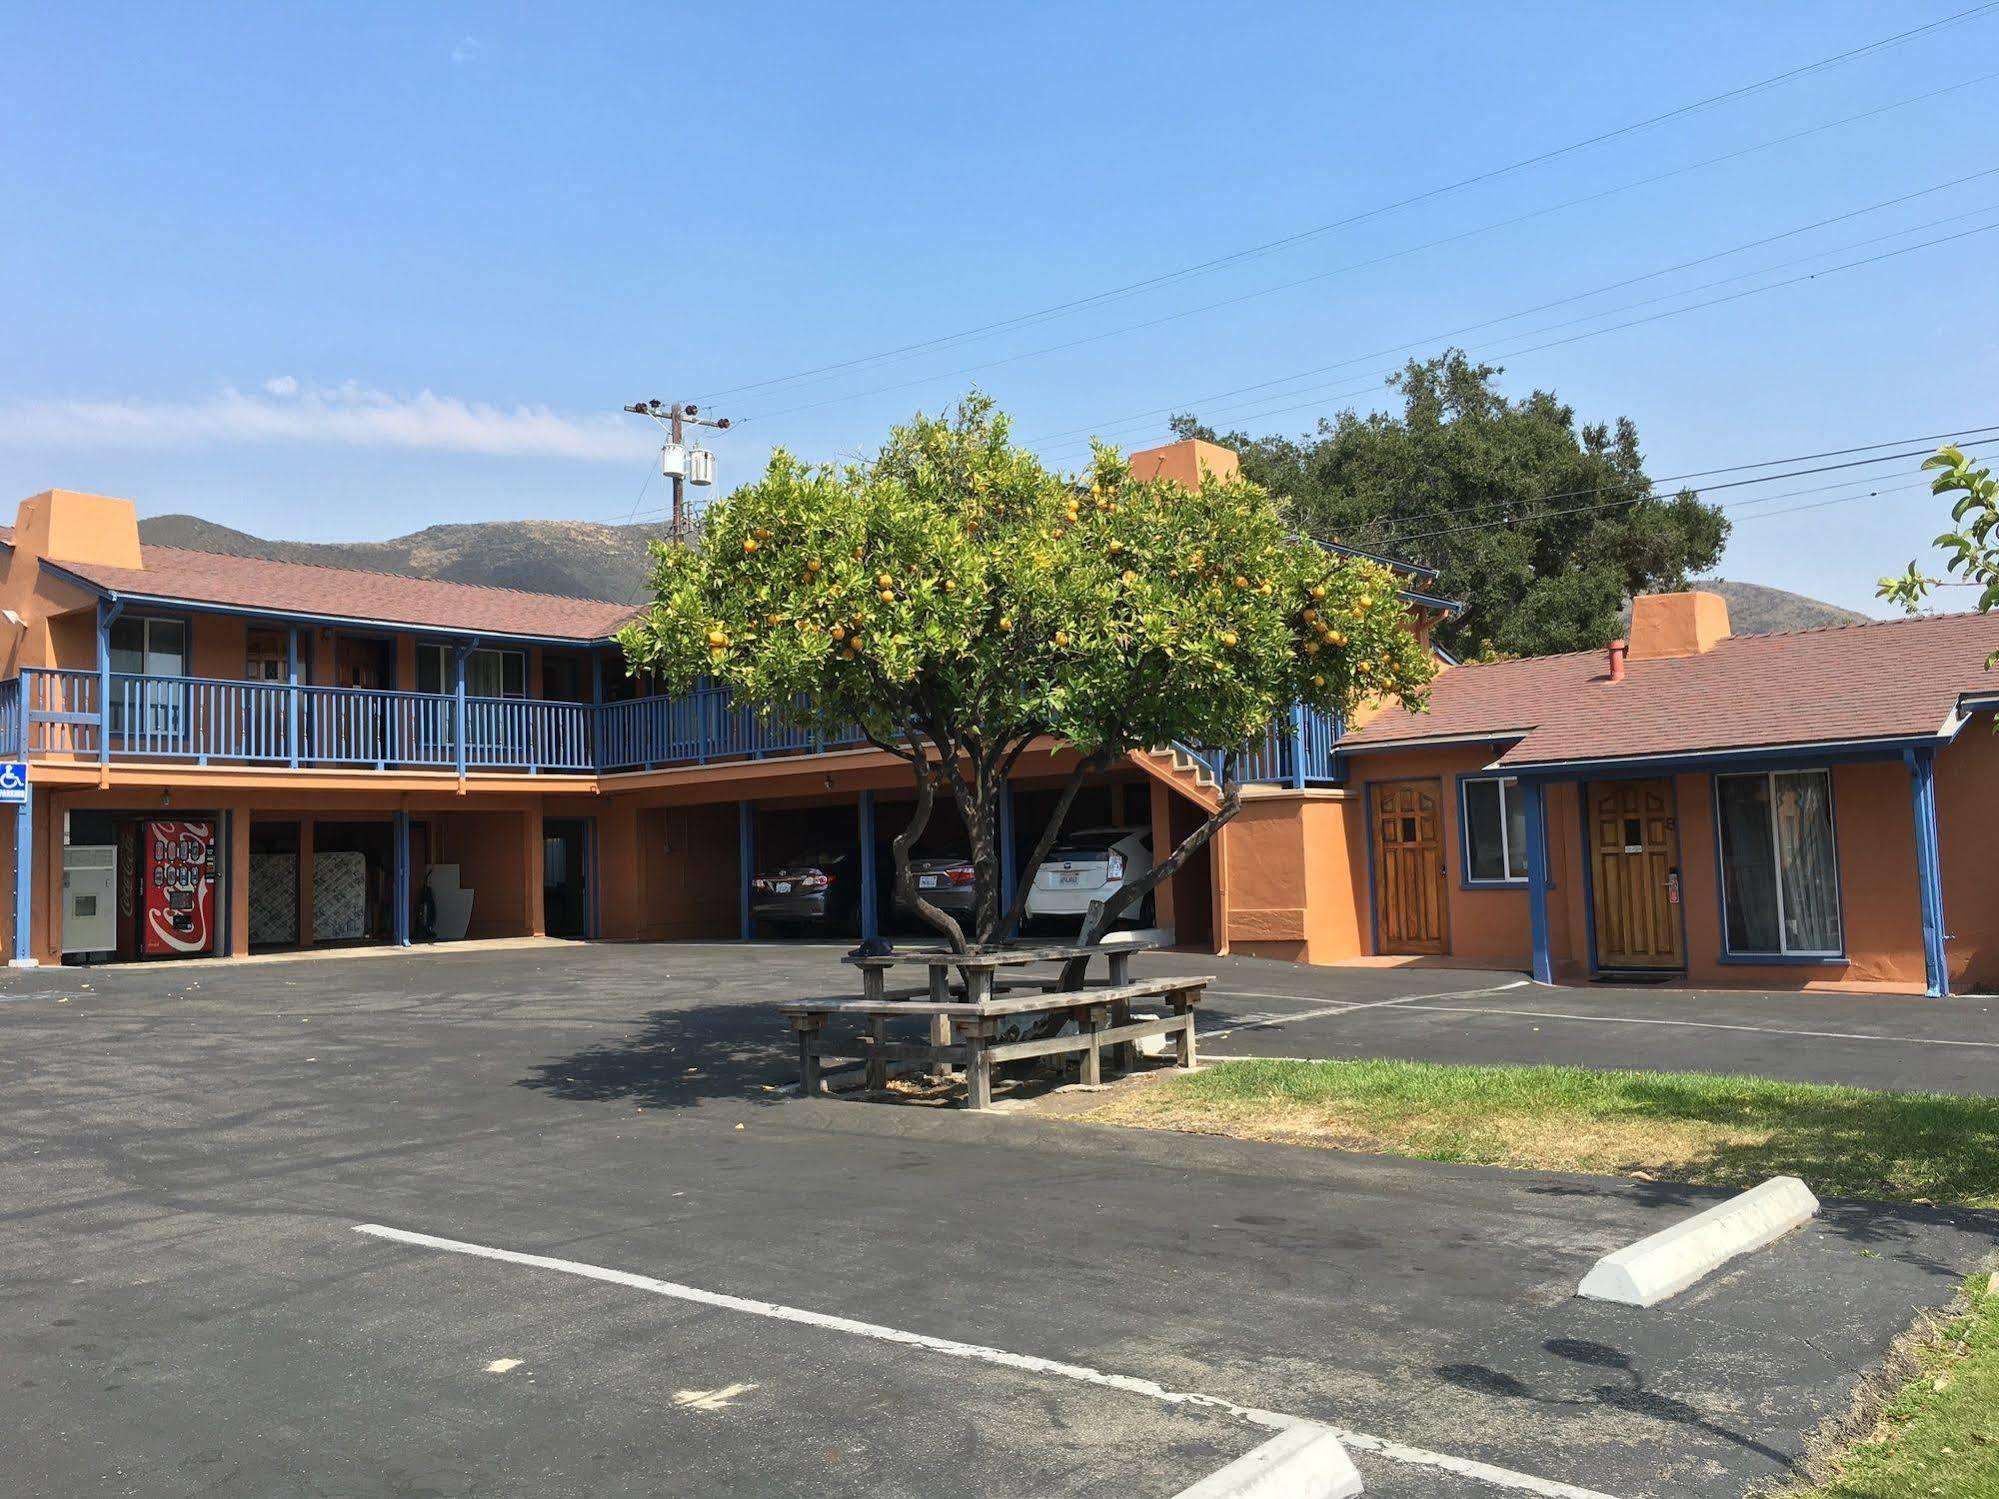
[(905, 882)]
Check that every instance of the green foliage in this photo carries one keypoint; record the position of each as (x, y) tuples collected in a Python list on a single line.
[(956, 589), (1972, 550), (1939, 1438), (1542, 528), (958, 600)]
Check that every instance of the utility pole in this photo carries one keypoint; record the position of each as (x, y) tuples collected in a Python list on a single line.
[(675, 417)]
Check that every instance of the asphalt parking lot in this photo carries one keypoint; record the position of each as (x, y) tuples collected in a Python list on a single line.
[(621, 1259)]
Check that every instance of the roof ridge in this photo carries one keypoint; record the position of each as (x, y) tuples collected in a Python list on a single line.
[(1868, 624), (375, 572)]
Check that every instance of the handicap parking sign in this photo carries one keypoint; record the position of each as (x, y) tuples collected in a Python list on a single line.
[(13, 782)]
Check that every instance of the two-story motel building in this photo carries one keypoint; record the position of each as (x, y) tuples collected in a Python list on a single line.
[(228, 755)]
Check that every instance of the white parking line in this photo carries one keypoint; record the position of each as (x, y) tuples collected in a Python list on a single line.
[(1286, 1017), (1709, 1025), (1464, 1467)]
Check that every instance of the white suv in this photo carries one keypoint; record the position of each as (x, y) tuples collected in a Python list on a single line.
[(1086, 866)]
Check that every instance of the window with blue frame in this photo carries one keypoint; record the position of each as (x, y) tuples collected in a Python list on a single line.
[(1492, 821), (1779, 864)]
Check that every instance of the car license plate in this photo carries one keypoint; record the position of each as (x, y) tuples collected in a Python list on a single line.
[(782, 887), (1069, 877), (927, 881)]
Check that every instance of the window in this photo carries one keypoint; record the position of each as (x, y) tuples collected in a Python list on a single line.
[(487, 673), (1779, 864), (1494, 818), (144, 647), (267, 656)]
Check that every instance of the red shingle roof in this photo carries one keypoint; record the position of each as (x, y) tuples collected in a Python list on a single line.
[(1888, 679), (179, 575)]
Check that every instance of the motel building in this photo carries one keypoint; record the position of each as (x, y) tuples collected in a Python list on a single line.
[(228, 756)]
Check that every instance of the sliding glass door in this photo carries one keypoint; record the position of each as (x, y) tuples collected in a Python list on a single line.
[(1779, 864)]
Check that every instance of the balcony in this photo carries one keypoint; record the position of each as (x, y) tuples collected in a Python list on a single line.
[(81, 716)]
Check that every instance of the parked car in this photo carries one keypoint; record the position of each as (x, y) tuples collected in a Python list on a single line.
[(1086, 866), (819, 892), (945, 880)]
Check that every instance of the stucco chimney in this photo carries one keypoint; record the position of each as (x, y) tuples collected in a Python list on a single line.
[(65, 525), (1616, 652), (1677, 624), (1183, 462)]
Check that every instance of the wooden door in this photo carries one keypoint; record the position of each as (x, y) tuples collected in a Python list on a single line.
[(361, 662), (1635, 867), (1411, 890)]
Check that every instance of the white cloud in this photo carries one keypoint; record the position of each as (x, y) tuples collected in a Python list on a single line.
[(468, 49), (351, 415)]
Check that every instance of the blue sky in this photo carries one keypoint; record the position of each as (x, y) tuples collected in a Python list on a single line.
[(341, 272)]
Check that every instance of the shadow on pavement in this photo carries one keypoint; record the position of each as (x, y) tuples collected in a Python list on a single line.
[(680, 1058), (1627, 1392)]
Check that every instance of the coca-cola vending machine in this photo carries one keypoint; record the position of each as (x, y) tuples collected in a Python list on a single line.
[(176, 895)]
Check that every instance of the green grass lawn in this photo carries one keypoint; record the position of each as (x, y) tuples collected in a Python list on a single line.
[(1939, 1439), (1675, 1126)]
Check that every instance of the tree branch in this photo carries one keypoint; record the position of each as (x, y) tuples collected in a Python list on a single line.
[(1085, 767), (905, 882)]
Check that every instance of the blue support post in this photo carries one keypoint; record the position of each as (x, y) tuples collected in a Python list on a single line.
[(1009, 859), (291, 695), (458, 708), (1537, 878), (1297, 746), (108, 611), (1929, 869), (746, 853), (24, 880), (401, 882), (871, 925)]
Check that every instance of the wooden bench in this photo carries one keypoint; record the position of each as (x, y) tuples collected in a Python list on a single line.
[(1102, 1018), (980, 968)]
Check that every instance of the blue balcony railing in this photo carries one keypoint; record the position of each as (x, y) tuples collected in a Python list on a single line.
[(1296, 751), (82, 715)]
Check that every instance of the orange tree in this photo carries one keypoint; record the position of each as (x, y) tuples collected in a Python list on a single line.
[(961, 603), (1972, 550)]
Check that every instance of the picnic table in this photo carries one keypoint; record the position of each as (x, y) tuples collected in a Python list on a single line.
[(982, 968), (966, 1031)]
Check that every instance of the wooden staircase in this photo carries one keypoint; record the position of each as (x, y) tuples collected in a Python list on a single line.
[(1181, 771)]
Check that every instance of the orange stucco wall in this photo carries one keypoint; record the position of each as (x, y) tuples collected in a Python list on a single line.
[(1968, 834), (1877, 863)]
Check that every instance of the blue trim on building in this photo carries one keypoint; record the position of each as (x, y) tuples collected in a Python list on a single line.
[(24, 880), (1537, 879), (746, 857), (1814, 756), (399, 862), (1009, 855), (1929, 871)]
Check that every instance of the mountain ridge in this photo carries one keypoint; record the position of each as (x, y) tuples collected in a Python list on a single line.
[(594, 560)]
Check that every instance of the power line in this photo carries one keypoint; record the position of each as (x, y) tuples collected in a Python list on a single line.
[(1268, 247), (1381, 259), (1140, 416), (1405, 539), (1657, 316)]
